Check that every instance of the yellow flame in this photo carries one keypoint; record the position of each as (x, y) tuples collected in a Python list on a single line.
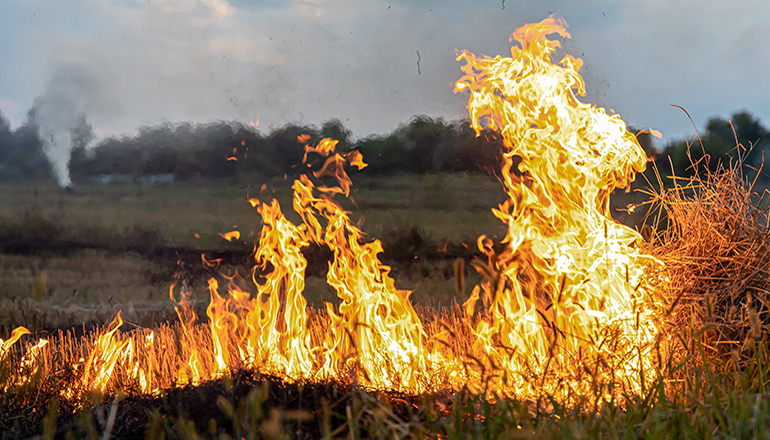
[(16, 334), (569, 288), (565, 303), (376, 327), (280, 320), (230, 236), (104, 355)]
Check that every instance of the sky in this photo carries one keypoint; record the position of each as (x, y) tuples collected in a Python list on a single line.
[(130, 63)]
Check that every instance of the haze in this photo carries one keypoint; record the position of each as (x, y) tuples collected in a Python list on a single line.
[(127, 63)]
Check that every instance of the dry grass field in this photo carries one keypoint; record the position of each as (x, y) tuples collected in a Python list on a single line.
[(68, 258)]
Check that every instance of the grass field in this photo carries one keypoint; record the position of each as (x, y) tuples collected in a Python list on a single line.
[(410, 214), (114, 219), (415, 217)]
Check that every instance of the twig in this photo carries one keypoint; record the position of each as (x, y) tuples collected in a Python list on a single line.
[(110, 420)]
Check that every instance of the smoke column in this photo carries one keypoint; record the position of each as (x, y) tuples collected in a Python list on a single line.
[(60, 115)]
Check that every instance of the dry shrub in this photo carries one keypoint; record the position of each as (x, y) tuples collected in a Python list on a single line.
[(714, 240)]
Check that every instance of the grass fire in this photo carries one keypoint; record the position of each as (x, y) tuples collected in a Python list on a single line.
[(572, 323)]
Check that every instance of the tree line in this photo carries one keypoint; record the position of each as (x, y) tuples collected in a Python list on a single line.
[(231, 150), (22, 156), (235, 151), (740, 139)]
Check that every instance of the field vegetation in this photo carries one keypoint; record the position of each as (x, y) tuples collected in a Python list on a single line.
[(70, 259), (119, 244)]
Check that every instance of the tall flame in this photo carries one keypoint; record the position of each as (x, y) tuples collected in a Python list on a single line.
[(376, 326), (269, 330), (565, 305), (281, 324), (569, 287)]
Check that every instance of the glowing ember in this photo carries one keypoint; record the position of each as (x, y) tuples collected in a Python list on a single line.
[(230, 236), (564, 308)]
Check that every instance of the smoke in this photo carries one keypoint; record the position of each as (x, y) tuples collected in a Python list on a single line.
[(59, 115)]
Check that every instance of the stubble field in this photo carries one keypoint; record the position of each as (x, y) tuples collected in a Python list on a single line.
[(69, 257)]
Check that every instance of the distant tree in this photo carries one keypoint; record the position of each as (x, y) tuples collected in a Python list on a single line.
[(383, 153), (334, 129), (6, 139), (751, 135), (480, 154), (421, 137), (718, 144), (230, 150), (21, 153), (286, 148)]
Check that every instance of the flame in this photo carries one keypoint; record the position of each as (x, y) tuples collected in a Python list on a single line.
[(268, 331), (569, 288), (230, 236), (376, 327), (566, 304), (16, 334), (104, 355)]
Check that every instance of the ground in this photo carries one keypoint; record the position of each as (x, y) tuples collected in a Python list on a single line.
[(73, 257)]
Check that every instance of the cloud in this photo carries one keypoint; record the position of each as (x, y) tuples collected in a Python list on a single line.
[(219, 7), (10, 110), (311, 60)]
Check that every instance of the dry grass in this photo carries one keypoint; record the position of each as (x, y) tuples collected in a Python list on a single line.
[(713, 237), (714, 240), (439, 208), (83, 277), (125, 215)]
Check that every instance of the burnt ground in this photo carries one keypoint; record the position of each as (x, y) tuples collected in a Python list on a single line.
[(186, 262), (177, 265), (245, 403)]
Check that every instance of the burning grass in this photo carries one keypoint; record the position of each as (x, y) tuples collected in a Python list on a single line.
[(714, 239), (574, 315), (708, 381)]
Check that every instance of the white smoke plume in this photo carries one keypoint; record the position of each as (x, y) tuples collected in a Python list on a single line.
[(60, 115)]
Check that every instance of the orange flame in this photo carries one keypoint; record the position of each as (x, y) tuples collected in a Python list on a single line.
[(16, 334), (106, 352), (376, 326), (230, 236), (567, 295), (570, 286)]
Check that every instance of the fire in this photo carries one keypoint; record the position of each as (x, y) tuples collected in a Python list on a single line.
[(569, 291), (566, 304), (230, 236), (269, 330), (5, 346), (376, 326)]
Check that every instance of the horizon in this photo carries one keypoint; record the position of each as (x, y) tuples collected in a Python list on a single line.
[(126, 65)]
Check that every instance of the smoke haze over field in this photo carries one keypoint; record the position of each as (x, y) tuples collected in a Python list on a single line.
[(117, 65)]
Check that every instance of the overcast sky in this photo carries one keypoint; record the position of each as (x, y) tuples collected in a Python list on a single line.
[(128, 63)]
